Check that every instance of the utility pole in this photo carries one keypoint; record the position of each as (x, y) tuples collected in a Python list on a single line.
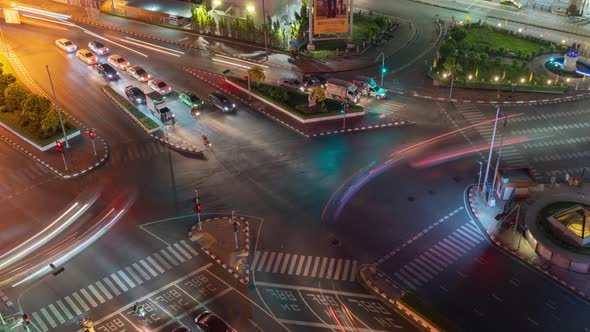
[(63, 128), (452, 81), (265, 37), (498, 159), (485, 179), (382, 55), (198, 208), (480, 162)]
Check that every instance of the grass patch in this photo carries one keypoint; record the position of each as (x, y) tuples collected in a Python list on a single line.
[(296, 101), (6, 67), (144, 119), (429, 313), (554, 236), (494, 41)]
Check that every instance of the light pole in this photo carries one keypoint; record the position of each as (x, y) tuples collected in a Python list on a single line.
[(382, 55), (452, 81), (485, 179), (63, 128), (265, 32), (480, 169), (498, 86), (249, 91), (498, 159)]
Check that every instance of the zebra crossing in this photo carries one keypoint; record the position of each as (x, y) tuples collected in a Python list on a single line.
[(140, 151), (101, 291), (552, 128), (562, 156), (556, 142), (548, 116), (437, 258), (306, 266), (573, 172), (393, 105)]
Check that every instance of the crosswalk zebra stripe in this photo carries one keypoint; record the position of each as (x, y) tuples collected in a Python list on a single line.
[(119, 283), (409, 270), (316, 264), (73, 306), (111, 286), (307, 266), (470, 237), (338, 267), (300, 265), (39, 321), (153, 262), (173, 252), (189, 248), (255, 260), (434, 260), (165, 254), (181, 249), (330, 268), (323, 267), (162, 261), (103, 290), (404, 280), (470, 231), (65, 309), (285, 263), (57, 314), (96, 294), (449, 245), (459, 236), (89, 298), (424, 273), (409, 277), (345, 272), (81, 302), (353, 271), (474, 229), (277, 263), (148, 268), (133, 275), (458, 243), (444, 253), (427, 269), (262, 260), (141, 271), (126, 278), (293, 262), (270, 261), (427, 263)]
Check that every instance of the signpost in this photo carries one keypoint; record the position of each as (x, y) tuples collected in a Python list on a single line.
[(236, 230)]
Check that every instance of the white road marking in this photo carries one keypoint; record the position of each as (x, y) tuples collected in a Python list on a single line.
[(81, 302), (182, 260), (119, 283), (285, 263), (96, 294), (277, 263), (189, 248), (353, 271), (316, 264), (300, 266), (270, 261), (111, 286), (404, 280), (330, 268), (262, 260), (65, 309), (57, 314), (133, 275), (165, 253), (104, 290), (141, 271), (338, 267), (327, 326), (256, 256), (126, 278), (149, 268), (312, 289), (323, 267), (345, 272), (307, 266), (88, 297), (181, 249), (293, 262), (153, 262), (39, 321), (162, 261), (73, 306)]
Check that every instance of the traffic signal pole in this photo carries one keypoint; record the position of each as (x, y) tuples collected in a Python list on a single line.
[(197, 204)]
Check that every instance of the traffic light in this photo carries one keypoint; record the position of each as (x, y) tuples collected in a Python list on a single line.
[(384, 70), (499, 216), (198, 206), (26, 319), (91, 134), (59, 146)]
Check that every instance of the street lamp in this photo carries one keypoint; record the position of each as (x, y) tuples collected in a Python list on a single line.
[(265, 31), (382, 55), (216, 3), (452, 81), (250, 8), (470, 77), (548, 82), (522, 80), (485, 179), (63, 128), (496, 79)]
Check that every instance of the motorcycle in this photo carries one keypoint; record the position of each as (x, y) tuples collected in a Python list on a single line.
[(206, 142)]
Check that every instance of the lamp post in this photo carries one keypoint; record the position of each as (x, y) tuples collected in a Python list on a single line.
[(452, 81), (498, 161), (63, 128), (485, 179), (496, 79), (382, 56), (265, 32), (480, 162)]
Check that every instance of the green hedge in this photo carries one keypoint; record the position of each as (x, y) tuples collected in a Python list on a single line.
[(144, 119), (505, 87), (429, 313)]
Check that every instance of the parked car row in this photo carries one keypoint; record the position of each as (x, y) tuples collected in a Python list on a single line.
[(307, 83)]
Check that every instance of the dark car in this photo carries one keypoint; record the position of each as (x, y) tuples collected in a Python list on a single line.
[(222, 102), (315, 79), (135, 94), (107, 71), (208, 322)]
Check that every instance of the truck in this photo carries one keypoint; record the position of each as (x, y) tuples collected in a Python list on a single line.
[(370, 88), (157, 105), (343, 90)]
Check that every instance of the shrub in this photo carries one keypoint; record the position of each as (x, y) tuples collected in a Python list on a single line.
[(14, 96), (34, 109), (5, 81)]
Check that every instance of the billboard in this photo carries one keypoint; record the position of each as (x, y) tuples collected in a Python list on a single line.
[(330, 16)]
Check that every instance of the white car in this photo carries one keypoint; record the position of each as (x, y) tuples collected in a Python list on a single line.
[(86, 56), (159, 86), (98, 47), (138, 73), (119, 61), (66, 45)]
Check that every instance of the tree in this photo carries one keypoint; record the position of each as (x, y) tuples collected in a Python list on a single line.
[(5, 81), (452, 66), (14, 96), (34, 109), (50, 124), (256, 74)]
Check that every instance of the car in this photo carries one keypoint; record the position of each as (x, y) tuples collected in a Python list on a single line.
[(291, 83), (138, 73), (209, 322), (118, 61), (86, 56), (66, 45), (135, 94), (98, 47), (190, 99), (160, 86), (222, 102), (310, 82), (107, 71)]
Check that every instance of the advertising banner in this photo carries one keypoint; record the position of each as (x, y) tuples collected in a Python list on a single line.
[(330, 16)]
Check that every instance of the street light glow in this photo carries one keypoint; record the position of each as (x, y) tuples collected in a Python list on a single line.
[(470, 77), (519, 29), (548, 82), (216, 3), (250, 8), (496, 78), (522, 80)]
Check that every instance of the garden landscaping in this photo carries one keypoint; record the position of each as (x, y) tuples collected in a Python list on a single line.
[(149, 124)]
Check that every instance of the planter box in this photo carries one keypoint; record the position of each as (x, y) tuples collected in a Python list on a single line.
[(37, 146), (138, 118)]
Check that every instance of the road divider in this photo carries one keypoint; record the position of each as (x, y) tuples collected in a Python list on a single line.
[(149, 125)]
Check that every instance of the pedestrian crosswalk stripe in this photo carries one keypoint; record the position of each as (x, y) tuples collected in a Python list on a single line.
[(474, 229), (414, 280), (165, 253), (96, 294), (307, 266), (189, 248), (162, 261), (56, 313), (316, 264), (293, 262), (39, 321), (449, 245), (111, 286), (404, 280), (353, 271), (88, 297), (338, 267), (285, 263), (181, 249), (126, 278), (330, 268), (411, 271), (277, 263), (182, 260), (424, 263), (443, 250), (323, 267), (141, 271), (457, 243), (148, 268), (73, 306), (439, 257), (421, 271), (270, 261), (465, 239), (262, 260), (256, 256), (133, 275), (345, 272), (300, 266), (65, 309), (467, 235), (425, 260), (119, 283), (103, 290), (153, 262)]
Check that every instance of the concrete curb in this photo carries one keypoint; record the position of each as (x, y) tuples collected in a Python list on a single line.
[(473, 207)]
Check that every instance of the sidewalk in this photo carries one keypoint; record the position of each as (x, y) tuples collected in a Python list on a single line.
[(517, 245)]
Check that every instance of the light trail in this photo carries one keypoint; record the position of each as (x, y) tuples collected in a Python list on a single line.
[(242, 60), (112, 42), (230, 63), (43, 12), (154, 45), (337, 320), (148, 47), (48, 20)]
